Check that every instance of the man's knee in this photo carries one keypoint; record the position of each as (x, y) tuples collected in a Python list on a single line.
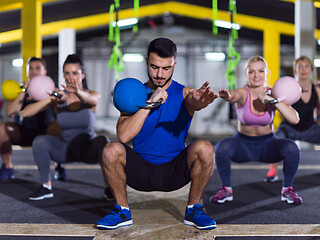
[(3, 132), (11, 131), (204, 151), (203, 146), (5, 129), (112, 151)]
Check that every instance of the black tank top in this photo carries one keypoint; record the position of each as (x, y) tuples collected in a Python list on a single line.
[(38, 121), (306, 111)]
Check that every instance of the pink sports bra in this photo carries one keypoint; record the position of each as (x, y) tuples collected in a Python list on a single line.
[(247, 117)]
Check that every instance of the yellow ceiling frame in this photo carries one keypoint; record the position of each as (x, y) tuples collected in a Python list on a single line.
[(31, 21), (9, 5), (315, 3), (271, 29), (178, 8)]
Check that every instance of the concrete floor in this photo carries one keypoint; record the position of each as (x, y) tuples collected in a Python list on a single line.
[(79, 203)]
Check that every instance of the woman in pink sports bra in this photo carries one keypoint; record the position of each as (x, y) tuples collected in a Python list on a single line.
[(255, 140)]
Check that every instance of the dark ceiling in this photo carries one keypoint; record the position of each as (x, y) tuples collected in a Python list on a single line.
[(54, 11)]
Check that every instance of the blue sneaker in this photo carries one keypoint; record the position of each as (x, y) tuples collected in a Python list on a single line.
[(60, 173), (6, 173), (116, 218), (197, 217)]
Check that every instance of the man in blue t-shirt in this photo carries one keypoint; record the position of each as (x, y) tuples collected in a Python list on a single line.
[(22, 131), (159, 160)]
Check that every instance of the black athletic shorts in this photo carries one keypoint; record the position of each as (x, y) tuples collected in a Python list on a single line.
[(145, 176), (28, 135)]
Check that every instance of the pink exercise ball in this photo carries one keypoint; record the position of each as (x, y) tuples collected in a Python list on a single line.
[(40, 87), (287, 89)]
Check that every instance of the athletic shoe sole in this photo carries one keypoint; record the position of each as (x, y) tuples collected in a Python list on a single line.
[(271, 179), (6, 179), (186, 222), (60, 178), (229, 199), (42, 197), (289, 201), (122, 224)]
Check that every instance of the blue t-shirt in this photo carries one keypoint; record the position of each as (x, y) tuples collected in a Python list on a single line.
[(164, 131)]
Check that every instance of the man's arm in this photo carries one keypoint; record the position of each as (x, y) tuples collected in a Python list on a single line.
[(128, 126), (13, 107), (197, 99), (39, 106)]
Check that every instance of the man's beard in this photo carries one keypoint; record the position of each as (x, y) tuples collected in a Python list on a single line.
[(151, 79)]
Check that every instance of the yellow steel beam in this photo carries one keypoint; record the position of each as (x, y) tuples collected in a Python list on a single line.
[(11, 36), (178, 8), (271, 29), (316, 3), (31, 20), (8, 5), (271, 52), (187, 10)]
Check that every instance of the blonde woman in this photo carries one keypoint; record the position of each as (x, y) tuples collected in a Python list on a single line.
[(255, 140), (307, 129)]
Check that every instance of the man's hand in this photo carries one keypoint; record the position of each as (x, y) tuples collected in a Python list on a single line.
[(158, 95), (25, 84), (202, 97)]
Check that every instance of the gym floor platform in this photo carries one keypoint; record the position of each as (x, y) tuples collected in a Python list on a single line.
[(255, 213)]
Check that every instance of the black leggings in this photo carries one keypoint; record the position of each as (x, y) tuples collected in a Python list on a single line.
[(268, 148)]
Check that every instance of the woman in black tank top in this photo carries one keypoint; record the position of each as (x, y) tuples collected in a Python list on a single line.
[(307, 129), (76, 116)]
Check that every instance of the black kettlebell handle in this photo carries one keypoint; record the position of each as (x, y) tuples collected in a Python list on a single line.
[(23, 89), (57, 95), (152, 104)]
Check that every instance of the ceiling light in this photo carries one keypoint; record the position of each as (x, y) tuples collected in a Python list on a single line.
[(18, 62), (215, 56), (125, 22), (225, 24), (316, 62), (132, 57)]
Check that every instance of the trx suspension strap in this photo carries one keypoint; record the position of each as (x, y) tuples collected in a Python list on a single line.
[(115, 61), (233, 56)]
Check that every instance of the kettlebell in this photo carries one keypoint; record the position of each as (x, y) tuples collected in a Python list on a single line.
[(130, 94), (11, 89)]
